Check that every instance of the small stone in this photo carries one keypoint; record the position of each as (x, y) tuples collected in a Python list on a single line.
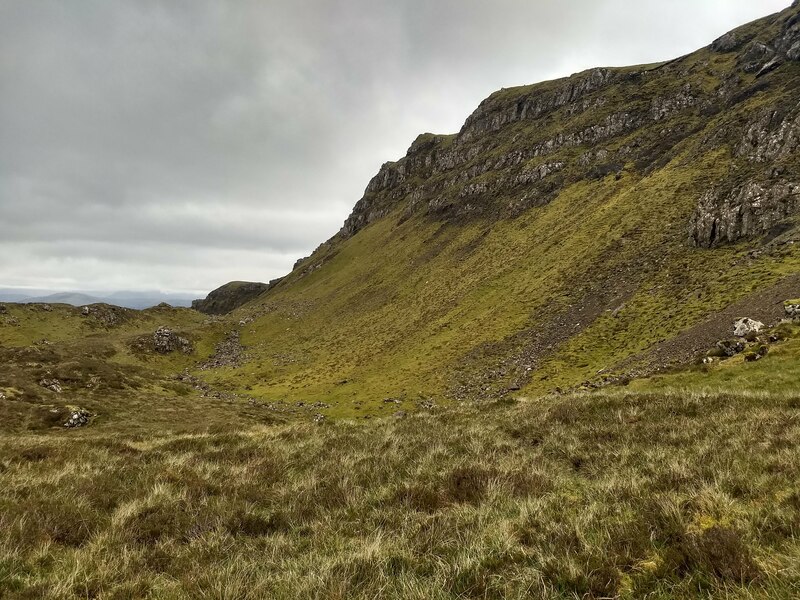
[(319, 418)]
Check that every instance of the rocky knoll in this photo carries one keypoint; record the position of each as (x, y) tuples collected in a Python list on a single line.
[(230, 297)]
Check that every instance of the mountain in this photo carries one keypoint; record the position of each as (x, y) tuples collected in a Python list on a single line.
[(126, 299), (577, 231), (73, 298)]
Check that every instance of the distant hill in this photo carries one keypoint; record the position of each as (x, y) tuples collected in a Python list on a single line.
[(127, 299), (73, 298)]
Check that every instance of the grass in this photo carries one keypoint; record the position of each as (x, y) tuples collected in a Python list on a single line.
[(448, 463), (624, 495), (459, 306), (778, 371)]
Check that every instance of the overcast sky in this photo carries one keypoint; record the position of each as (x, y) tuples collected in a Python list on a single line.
[(181, 144)]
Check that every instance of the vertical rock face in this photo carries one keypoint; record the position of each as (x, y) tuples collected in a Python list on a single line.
[(751, 209), (522, 146)]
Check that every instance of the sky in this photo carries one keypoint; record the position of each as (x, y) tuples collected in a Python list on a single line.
[(179, 144)]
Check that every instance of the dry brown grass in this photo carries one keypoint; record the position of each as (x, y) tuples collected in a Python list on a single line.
[(651, 495)]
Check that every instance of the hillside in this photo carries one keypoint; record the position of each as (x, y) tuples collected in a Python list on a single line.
[(570, 233), (511, 374)]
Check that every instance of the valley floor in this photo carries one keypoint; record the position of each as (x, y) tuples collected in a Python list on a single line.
[(629, 494)]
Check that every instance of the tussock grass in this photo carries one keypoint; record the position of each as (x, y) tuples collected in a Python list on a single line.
[(657, 494)]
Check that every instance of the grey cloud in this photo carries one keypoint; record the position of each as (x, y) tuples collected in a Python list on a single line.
[(132, 133)]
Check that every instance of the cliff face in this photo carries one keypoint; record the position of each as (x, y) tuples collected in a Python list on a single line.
[(229, 297), (522, 145), (577, 231)]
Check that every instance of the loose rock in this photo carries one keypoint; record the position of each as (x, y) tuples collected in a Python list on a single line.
[(746, 326), (54, 385), (77, 418), (165, 341), (731, 347)]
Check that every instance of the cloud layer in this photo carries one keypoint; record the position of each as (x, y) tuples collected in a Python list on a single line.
[(181, 144)]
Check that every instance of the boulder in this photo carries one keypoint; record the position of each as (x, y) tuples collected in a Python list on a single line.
[(746, 326), (165, 341), (756, 354), (792, 308), (727, 43), (54, 385), (731, 347), (77, 418)]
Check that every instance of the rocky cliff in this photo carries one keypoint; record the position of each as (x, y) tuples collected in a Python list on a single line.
[(576, 231), (522, 145), (230, 296)]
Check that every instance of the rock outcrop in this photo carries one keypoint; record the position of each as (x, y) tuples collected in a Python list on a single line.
[(792, 309), (231, 296), (751, 209), (522, 145), (165, 341)]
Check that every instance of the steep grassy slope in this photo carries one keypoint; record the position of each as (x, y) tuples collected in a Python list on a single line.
[(563, 236)]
